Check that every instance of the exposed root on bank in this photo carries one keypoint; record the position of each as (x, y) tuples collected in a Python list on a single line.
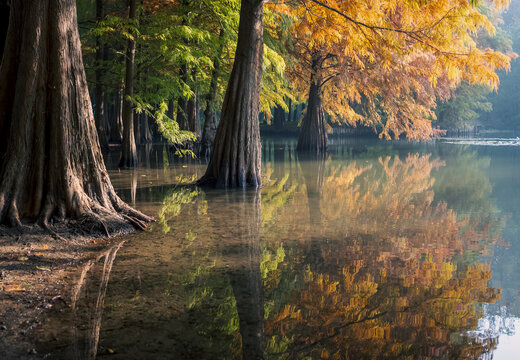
[(94, 221)]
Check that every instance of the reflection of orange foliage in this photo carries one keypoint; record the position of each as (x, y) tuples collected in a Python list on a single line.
[(373, 313), (379, 280), (393, 204)]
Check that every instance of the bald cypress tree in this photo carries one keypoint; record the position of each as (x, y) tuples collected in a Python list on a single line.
[(51, 167), (235, 158)]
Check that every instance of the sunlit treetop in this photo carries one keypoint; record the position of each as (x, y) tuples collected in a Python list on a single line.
[(383, 63)]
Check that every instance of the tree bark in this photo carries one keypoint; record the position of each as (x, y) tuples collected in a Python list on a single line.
[(235, 159), (51, 165), (210, 116), (4, 22), (313, 135), (100, 91), (129, 151)]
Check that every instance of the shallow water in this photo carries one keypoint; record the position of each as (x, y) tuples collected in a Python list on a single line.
[(376, 250)]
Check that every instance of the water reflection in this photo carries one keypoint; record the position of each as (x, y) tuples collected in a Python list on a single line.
[(79, 327), (351, 255)]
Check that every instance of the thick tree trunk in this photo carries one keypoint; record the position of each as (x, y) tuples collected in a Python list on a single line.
[(100, 92), (51, 165), (313, 135), (129, 151), (235, 159), (4, 22), (210, 113)]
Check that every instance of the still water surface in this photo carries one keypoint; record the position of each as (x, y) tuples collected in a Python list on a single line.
[(376, 250)]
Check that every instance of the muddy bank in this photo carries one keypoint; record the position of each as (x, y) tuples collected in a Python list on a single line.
[(35, 274)]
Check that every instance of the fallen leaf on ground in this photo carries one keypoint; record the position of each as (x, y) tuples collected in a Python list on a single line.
[(11, 288)]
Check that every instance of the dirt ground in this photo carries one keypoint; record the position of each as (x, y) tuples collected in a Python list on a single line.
[(34, 271)]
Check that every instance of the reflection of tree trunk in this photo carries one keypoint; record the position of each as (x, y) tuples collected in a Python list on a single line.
[(86, 343), (279, 161), (246, 281), (313, 170), (133, 187), (244, 273), (157, 156), (147, 148)]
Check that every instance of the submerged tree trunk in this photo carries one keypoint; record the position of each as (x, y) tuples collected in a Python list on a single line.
[(313, 135), (100, 92), (129, 151), (210, 116), (51, 165), (235, 158)]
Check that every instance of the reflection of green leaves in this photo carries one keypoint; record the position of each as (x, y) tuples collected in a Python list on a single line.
[(270, 260), (274, 197), (172, 204)]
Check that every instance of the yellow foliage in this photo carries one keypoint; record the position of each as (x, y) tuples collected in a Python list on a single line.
[(384, 63)]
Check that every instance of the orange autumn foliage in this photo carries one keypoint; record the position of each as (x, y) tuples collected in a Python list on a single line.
[(384, 63)]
